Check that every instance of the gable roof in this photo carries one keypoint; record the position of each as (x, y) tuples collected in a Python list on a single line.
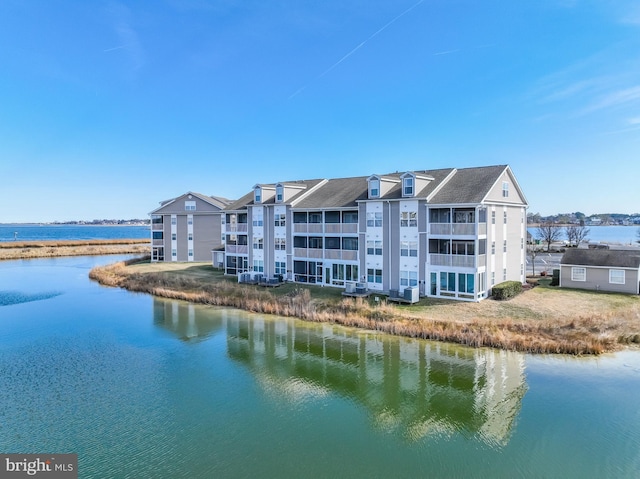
[(469, 185), (599, 257), (217, 201), (445, 186)]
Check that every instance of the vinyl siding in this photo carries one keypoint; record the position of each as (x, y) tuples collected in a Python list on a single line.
[(597, 279)]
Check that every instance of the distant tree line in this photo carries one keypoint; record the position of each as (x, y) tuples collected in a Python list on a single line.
[(579, 218)]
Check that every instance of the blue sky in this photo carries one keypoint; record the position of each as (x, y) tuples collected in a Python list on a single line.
[(106, 108)]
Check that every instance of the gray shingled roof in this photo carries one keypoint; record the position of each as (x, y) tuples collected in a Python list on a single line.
[(600, 257), (469, 185), (395, 193), (337, 193), (247, 199)]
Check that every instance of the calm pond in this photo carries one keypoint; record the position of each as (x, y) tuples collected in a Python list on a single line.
[(141, 387)]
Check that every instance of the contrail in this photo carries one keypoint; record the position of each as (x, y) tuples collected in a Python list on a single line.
[(356, 48), (446, 52), (114, 48)]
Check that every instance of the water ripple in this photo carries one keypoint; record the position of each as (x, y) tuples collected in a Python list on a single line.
[(8, 298)]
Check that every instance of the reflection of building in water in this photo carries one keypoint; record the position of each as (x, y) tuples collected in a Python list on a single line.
[(188, 321), (418, 386)]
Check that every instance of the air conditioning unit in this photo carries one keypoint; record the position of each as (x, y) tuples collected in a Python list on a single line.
[(350, 288)]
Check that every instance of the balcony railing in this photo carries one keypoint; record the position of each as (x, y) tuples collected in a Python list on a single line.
[(330, 228), (237, 228), (457, 260), (157, 226), (237, 249), (348, 255), (157, 242), (458, 229)]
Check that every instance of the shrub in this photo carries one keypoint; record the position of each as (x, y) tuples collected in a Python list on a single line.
[(507, 290)]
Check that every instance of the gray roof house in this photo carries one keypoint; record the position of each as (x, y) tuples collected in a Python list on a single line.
[(187, 228), (601, 270)]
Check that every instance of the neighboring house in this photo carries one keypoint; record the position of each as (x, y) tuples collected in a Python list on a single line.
[(601, 270), (187, 228), (450, 233)]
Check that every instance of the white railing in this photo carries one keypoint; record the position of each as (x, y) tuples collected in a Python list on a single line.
[(467, 229), (456, 260), (237, 228), (237, 249), (461, 229)]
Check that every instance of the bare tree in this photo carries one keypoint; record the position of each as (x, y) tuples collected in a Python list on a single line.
[(576, 234), (549, 232)]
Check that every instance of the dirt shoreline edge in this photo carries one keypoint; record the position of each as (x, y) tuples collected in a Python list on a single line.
[(580, 334)]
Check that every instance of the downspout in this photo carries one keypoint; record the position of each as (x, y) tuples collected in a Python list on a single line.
[(389, 243)]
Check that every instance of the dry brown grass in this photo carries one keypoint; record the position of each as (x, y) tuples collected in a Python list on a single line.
[(541, 320), (48, 249)]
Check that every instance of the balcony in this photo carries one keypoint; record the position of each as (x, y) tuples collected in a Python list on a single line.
[(457, 229), (329, 228), (157, 226), (237, 249), (457, 260), (236, 228), (157, 242)]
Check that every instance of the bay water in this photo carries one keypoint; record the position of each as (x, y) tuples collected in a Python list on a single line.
[(144, 387)]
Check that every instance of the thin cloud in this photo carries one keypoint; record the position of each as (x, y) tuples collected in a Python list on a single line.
[(615, 99), (354, 50), (128, 38), (446, 52)]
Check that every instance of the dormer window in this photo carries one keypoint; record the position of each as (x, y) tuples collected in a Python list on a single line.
[(257, 195), (190, 205), (505, 189), (374, 188), (279, 194), (408, 186)]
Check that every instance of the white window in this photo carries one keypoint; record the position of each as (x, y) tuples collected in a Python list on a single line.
[(374, 188), (505, 189), (257, 195), (408, 218), (280, 244), (190, 252), (281, 267), (190, 220), (279, 219), (174, 236), (174, 220), (258, 243), (504, 274), (504, 247), (174, 252), (493, 247), (190, 237), (493, 217), (190, 205), (374, 219), (408, 278), (258, 265), (407, 186), (374, 276), (279, 193), (409, 248), (374, 247), (257, 221), (505, 216), (578, 274), (616, 276)]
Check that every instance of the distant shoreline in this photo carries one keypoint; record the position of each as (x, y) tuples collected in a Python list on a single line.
[(12, 250)]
